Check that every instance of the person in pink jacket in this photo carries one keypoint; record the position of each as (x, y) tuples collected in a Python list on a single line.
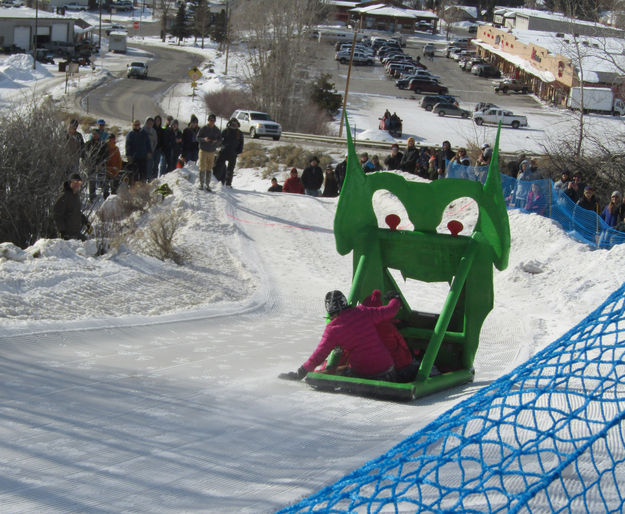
[(405, 364), (353, 329)]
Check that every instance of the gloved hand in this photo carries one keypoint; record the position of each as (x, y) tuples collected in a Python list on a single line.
[(392, 294), (294, 375)]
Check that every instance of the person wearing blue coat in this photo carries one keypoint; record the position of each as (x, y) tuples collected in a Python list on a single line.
[(611, 212)]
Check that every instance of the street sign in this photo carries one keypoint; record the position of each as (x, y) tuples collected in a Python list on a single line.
[(194, 74)]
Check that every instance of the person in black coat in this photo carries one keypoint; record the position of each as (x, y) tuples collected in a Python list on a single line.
[(589, 200), (331, 186), (339, 172), (443, 157), (232, 145), (68, 217), (190, 145), (411, 156), (138, 148), (392, 161), (312, 177)]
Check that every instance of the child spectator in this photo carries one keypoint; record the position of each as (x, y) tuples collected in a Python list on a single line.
[(612, 211), (275, 187), (536, 201), (589, 200)]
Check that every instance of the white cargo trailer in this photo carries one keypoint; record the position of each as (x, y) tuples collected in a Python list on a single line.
[(596, 99), (117, 42)]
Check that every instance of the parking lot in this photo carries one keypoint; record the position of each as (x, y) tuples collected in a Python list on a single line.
[(373, 80)]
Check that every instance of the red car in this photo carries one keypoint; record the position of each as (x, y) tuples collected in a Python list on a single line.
[(427, 86)]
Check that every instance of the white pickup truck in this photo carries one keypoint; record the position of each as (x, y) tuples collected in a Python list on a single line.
[(499, 115)]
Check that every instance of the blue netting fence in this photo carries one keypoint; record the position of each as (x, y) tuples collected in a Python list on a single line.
[(581, 224), (548, 437)]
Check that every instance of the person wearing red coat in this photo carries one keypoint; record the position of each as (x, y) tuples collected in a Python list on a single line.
[(293, 184), (403, 359), (353, 329)]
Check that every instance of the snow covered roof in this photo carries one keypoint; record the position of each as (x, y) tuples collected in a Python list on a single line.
[(342, 3), (524, 64), (395, 12), (25, 12), (600, 57), (511, 12), (469, 9)]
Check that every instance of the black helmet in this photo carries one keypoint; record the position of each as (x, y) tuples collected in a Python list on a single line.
[(335, 302)]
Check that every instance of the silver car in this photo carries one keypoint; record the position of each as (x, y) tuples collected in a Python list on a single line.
[(257, 124)]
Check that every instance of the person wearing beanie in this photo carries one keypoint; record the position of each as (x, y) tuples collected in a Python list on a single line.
[(209, 139), (67, 215), (612, 212), (353, 329), (312, 177), (293, 184)]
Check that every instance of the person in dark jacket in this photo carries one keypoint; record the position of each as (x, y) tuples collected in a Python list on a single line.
[(138, 149), (190, 147), (611, 212), (209, 139), (393, 160), (589, 200), (96, 155), (331, 185), (312, 177), (339, 172), (157, 154), (443, 157), (411, 155), (75, 146), (575, 188), (275, 187), (232, 146), (68, 217)]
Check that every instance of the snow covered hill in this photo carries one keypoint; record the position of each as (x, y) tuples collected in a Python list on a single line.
[(135, 384)]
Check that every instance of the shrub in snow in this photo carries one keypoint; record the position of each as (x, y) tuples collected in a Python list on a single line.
[(158, 237)]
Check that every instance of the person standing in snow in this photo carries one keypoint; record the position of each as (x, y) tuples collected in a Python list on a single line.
[(209, 139), (232, 146), (190, 148), (330, 185), (75, 146), (275, 187), (148, 128), (393, 160), (95, 157), (312, 177), (113, 166), (409, 160), (353, 329), (611, 213), (137, 149), (68, 217)]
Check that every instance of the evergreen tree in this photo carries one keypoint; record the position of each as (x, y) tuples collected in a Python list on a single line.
[(180, 29), (323, 94), (201, 20), (218, 29)]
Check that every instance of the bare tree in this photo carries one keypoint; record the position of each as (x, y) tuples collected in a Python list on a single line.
[(34, 163), (201, 20), (277, 33), (166, 13)]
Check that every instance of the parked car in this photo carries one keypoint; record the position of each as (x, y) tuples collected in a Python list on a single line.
[(506, 85), (123, 5), (257, 124), (359, 58), (425, 26), (137, 69), (399, 70), (485, 70), (427, 85), (429, 49), (467, 63), (494, 116), (75, 7), (484, 106), (429, 101), (449, 109), (404, 83)]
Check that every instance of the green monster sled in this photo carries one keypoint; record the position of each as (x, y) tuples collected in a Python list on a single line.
[(450, 339)]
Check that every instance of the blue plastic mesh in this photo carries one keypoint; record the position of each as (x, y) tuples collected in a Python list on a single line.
[(548, 437), (579, 223)]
